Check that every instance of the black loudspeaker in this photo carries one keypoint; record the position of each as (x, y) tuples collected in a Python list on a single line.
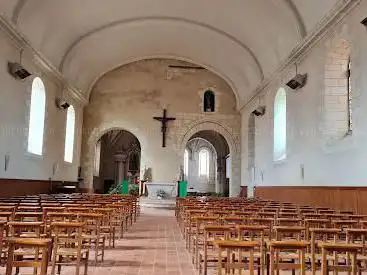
[(62, 104), (364, 22), (259, 111), (297, 82), (17, 71)]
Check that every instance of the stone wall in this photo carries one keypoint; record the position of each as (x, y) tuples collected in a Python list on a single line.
[(129, 97), (320, 149)]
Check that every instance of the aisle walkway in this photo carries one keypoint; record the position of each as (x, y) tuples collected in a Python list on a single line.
[(153, 246)]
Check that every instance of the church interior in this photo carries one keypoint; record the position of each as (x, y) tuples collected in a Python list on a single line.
[(183, 137)]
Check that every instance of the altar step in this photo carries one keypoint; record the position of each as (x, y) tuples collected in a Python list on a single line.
[(155, 203)]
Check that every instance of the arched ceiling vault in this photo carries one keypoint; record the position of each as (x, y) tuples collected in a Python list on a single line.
[(243, 40), (165, 19)]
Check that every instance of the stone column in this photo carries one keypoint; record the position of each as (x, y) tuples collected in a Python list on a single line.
[(221, 175), (218, 182), (121, 164)]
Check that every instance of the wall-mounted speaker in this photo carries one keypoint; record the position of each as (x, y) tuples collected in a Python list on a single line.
[(297, 82), (259, 111), (17, 71), (62, 104), (364, 22)]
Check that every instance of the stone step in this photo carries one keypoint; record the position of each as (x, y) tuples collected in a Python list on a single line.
[(155, 203)]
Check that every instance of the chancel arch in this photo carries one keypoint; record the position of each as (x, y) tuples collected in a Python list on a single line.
[(119, 160), (92, 154)]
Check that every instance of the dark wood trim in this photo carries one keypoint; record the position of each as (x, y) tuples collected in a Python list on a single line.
[(243, 192), (22, 187), (352, 198), (4, 181), (315, 187)]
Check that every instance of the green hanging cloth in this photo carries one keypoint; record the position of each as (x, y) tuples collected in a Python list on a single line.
[(182, 189), (125, 187)]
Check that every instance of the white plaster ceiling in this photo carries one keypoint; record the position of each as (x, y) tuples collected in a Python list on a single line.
[(243, 41)]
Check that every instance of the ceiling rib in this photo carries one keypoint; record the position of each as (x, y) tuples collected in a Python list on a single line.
[(18, 8), (298, 17)]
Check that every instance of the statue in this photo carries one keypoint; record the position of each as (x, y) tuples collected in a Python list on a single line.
[(181, 174), (147, 177)]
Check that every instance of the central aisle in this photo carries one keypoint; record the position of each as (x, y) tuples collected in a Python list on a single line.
[(152, 246)]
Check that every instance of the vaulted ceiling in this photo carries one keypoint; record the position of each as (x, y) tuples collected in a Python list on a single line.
[(243, 41)]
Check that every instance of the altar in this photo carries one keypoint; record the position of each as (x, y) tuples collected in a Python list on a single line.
[(161, 190)]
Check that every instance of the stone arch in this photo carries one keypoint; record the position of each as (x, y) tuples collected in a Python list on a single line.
[(232, 141), (88, 150), (336, 95)]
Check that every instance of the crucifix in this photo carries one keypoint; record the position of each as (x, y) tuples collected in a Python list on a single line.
[(164, 120)]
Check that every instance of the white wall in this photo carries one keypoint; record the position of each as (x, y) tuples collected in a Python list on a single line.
[(326, 161), (14, 118)]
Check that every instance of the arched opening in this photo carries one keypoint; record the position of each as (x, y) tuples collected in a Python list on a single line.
[(117, 158), (208, 164)]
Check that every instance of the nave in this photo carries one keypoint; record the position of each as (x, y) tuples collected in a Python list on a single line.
[(152, 245)]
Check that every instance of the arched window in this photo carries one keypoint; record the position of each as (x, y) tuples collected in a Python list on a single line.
[(37, 117), (97, 159), (204, 163), (349, 99), (209, 102), (69, 135), (280, 125), (338, 94), (186, 162)]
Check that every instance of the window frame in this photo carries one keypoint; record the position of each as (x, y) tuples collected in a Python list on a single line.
[(186, 162), (349, 96), (70, 134), (34, 118), (212, 93), (280, 116), (207, 164)]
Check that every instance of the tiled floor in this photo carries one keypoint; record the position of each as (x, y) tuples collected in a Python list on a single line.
[(152, 246)]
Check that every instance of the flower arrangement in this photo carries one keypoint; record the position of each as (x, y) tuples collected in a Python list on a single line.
[(161, 194)]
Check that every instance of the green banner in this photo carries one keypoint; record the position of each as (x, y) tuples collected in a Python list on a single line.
[(182, 189), (125, 187)]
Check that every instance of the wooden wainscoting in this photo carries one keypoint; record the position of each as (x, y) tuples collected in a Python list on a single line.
[(21, 187), (339, 198), (243, 192)]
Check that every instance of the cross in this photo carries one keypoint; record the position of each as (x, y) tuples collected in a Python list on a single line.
[(164, 120)]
